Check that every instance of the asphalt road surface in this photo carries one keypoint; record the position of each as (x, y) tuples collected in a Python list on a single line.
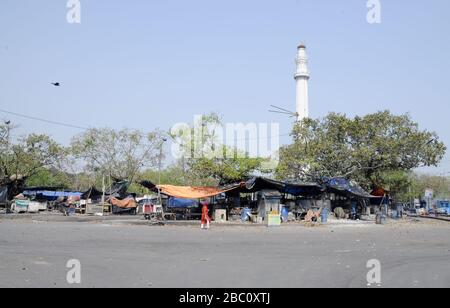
[(35, 254)]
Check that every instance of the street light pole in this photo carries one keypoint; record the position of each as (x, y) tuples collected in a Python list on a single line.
[(160, 159)]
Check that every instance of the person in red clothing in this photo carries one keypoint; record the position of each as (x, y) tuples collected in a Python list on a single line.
[(205, 217)]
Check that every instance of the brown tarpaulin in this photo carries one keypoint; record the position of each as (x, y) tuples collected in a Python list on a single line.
[(124, 204), (190, 192)]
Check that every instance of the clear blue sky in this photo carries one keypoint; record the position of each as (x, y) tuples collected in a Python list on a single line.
[(148, 64)]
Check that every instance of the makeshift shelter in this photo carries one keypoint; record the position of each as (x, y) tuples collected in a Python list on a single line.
[(10, 187), (91, 193), (187, 192), (121, 202), (118, 189), (268, 202), (380, 197), (295, 189), (345, 187), (264, 195), (253, 185), (49, 193), (125, 206)]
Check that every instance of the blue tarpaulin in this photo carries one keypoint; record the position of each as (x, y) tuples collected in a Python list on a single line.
[(51, 195), (3, 194), (182, 203), (295, 189), (344, 186)]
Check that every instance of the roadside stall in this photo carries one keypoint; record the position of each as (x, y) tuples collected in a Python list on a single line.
[(190, 194), (123, 207)]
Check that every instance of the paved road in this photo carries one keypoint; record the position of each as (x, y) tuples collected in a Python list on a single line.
[(34, 254)]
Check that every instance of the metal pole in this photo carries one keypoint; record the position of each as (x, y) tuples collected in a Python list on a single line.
[(159, 164), (160, 159), (7, 137), (103, 189)]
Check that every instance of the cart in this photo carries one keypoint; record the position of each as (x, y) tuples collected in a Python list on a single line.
[(153, 212)]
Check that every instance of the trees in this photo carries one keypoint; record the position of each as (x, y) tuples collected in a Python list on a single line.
[(28, 155), (420, 182), (50, 177), (363, 148), (173, 174), (206, 160), (407, 186), (119, 154), (379, 149), (223, 170)]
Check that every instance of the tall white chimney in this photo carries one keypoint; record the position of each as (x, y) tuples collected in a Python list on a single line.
[(301, 79)]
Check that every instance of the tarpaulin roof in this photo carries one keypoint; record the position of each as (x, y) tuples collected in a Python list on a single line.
[(123, 204), (187, 192), (190, 192), (50, 193), (117, 189), (379, 192), (42, 188), (92, 192), (336, 185), (295, 189), (346, 187)]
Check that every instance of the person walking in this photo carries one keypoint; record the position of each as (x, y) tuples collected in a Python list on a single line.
[(205, 217)]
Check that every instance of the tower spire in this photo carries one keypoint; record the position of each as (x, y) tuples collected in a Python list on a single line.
[(301, 79)]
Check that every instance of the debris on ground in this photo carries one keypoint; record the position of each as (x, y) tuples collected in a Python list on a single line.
[(339, 213)]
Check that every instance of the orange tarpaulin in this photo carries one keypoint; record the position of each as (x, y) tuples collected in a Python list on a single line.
[(190, 192), (124, 204), (379, 192)]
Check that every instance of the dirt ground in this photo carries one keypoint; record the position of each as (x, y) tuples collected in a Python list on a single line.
[(126, 253)]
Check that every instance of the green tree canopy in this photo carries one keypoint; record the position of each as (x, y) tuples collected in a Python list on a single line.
[(420, 182), (206, 160), (28, 155), (362, 148)]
